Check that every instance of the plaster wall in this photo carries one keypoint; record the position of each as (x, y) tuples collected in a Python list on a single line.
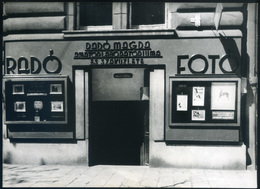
[(203, 157), (45, 153)]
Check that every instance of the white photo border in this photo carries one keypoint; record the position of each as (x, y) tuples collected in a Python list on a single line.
[(15, 86), (58, 86), (20, 106), (198, 115), (57, 106)]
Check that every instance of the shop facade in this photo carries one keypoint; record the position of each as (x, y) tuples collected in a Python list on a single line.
[(171, 92)]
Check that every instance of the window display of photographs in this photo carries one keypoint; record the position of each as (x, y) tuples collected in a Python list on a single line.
[(55, 89), (223, 96), (57, 106), (18, 89), (19, 106), (198, 115)]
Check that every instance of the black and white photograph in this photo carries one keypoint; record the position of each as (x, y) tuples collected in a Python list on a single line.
[(149, 94), (20, 106), (223, 96), (18, 89), (198, 115), (182, 102), (55, 88), (56, 106), (198, 96)]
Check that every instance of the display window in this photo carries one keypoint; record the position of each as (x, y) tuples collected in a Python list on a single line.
[(204, 102), (36, 100)]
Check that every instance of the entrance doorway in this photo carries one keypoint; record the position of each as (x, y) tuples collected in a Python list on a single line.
[(118, 118)]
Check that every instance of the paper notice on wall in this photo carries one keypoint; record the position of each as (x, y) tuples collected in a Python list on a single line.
[(198, 96), (182, 102), (223, 115)]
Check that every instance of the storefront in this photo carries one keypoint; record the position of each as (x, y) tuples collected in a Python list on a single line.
[(131, 97)]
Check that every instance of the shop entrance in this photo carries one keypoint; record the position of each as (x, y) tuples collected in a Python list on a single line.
[(118, 117)]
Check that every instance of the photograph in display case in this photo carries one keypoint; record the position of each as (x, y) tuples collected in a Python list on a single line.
[(57, 106), (198, 96), (55, 88), (18, 89), (198, 115), (182, 102), (20, 106), (223, 95)]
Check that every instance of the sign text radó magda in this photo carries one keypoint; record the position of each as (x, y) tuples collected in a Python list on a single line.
[(133, 52)]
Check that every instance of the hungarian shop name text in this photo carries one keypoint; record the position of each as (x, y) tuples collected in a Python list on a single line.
[(118, 53)]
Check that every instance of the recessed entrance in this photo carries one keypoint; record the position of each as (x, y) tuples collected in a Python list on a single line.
[(117, 132), (118, 118)]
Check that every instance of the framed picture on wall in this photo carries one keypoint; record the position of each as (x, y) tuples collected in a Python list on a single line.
[(182, 102), (198, 115), (18, 89), (223, 96), (198, 96), (55, 88), (20, 106), (56, 106)]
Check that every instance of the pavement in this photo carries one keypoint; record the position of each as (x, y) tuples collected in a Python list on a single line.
[(124, 176)]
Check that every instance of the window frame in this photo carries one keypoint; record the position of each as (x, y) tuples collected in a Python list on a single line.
[(129, 25), (93, 28), (148, 26)]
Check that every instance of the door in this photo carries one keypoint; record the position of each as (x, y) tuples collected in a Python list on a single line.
[(118, 117)]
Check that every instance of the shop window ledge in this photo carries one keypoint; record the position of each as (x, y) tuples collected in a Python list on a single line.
[(118, 33)]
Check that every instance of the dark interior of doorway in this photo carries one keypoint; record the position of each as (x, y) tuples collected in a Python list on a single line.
[(116, 132)]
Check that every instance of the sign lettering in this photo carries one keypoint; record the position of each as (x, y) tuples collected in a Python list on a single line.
[(206, 63), (118, 53), (34, 66)]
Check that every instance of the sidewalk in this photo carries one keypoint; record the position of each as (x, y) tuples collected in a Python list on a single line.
[(123, 176)]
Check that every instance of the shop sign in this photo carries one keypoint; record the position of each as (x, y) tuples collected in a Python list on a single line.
[(33, 65), (207, 61), (133, 52)]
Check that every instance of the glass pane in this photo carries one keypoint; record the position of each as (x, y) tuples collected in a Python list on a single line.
[(95, 14), (147, 13)]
